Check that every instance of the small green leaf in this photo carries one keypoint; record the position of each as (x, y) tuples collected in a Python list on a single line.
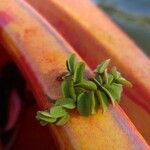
[(98, 78), (71, 90), (84, 104), (125, 82), (49, 120), (79, 71), (115, 90), (71, 63), (110, 78), (95, 81), (115, 73), (94, 104), (109, 95), (57, 111), (101, 96), (45, 116), (79, 90), (101, 68), (66, 103), (88, 85), (68, 90), (62, 121), (105, 76), (65, 88), (67, 66)]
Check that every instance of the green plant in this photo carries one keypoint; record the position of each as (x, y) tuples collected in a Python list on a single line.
[(84, 94)]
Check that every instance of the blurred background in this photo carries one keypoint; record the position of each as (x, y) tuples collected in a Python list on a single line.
[(133, 16)]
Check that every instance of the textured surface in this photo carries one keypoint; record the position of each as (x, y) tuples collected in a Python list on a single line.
[(95, 33), (95, 36)]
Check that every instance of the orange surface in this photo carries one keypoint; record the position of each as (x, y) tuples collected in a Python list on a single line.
[(40, 53), (95, 37), (88, 29), (138, 116)]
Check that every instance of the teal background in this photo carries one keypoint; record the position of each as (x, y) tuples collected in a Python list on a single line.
[(133, 16)]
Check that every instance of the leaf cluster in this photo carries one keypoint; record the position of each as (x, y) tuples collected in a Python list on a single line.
[(86, 95)]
